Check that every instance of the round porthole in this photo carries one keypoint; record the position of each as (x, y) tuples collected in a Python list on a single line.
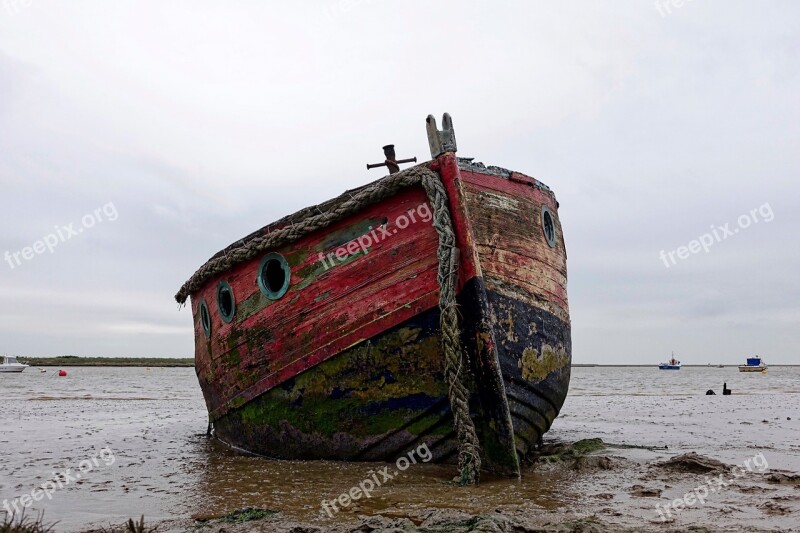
[(205, 318), (274, 276), (548, 226), (225, 301)]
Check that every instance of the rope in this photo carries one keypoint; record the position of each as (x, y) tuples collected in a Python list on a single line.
[(469, 462)]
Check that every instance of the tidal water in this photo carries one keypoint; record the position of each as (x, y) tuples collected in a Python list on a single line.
[(158, 462)]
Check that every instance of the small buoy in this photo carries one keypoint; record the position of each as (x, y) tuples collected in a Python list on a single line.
[(710, 392), (62, 373)]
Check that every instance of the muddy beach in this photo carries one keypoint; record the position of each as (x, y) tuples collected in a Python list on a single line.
[(605, 465), (582, 486)]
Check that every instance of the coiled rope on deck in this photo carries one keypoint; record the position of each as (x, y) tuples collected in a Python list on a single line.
[(351, 202)]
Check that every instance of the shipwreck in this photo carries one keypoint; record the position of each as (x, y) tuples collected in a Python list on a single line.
[(429, 306)]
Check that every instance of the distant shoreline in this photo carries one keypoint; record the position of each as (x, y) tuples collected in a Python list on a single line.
[(655, 365), (166, 362), (108, 361)]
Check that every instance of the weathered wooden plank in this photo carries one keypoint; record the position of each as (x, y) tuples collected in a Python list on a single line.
[(525, 275), (506, 220)]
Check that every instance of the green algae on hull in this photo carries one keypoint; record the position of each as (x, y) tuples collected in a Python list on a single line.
[(388, 389), (536, 367), (556, 453)]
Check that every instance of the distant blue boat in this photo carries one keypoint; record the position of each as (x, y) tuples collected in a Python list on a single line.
[(754, 364), (672, 364)]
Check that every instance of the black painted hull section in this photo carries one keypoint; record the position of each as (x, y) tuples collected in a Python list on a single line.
[(535, 352)]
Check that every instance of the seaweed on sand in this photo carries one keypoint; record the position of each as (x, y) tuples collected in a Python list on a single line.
[(248, 515), (580, 455), (24, 524), (131, 527), (693, 463), (558, 452)]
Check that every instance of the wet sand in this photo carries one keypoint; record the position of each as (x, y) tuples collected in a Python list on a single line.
[(165, 468)]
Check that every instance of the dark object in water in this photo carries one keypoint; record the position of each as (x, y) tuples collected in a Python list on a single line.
[(725, 390), (710, 392), (324, 335)]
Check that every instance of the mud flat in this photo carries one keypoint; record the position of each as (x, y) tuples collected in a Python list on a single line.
[(609, 488), (662, 439)]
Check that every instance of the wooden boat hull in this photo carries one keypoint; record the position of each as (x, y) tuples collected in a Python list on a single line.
[(377, 400), (348, 363)]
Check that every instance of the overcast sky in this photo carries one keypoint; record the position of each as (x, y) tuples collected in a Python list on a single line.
[(167, 130)]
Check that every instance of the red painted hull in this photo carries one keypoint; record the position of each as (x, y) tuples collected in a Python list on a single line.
[(347, 364)]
